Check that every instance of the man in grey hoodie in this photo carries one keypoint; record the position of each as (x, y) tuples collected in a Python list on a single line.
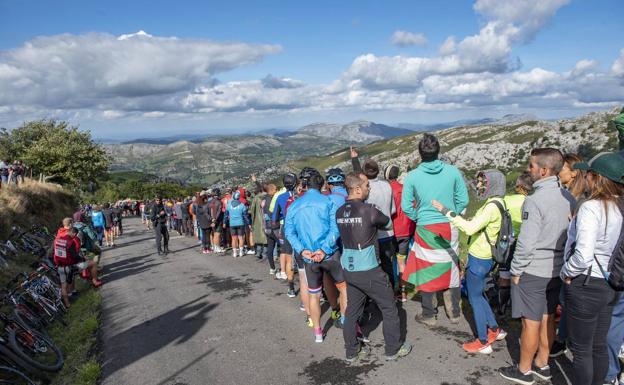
[(536, 265)]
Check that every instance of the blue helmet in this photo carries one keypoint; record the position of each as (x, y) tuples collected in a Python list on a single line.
[(335, 176)]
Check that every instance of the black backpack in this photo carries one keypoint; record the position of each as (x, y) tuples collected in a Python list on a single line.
[(614, 275), (501, 250)]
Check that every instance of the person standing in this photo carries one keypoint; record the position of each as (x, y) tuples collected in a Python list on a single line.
[(482, 230), (358, 223), (97, 219), (381, 196), (204, 222), (216, 220), (589, 299), (310, 227), (270, 189), (109, 220), (404, 227), (257, 220), (159, 220), (4, 172), (236, 218), (433, 262), (537, 263)]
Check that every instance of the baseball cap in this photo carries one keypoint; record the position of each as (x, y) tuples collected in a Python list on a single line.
[(608, 164)]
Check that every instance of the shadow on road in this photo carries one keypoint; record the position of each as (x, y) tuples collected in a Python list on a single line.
[(128, 267), (175, 326)]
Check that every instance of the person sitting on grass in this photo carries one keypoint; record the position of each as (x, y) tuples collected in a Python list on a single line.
[(68, 260)]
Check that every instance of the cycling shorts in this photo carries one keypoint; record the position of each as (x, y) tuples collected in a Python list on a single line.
[(237, 231), (285, 246), (299, 262), (66, 273), (403, 246), (314, 274)]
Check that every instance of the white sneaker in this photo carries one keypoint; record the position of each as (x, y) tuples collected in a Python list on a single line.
[(272, 271), (282, 275), (241, 252), (250, 252), (234, 253)]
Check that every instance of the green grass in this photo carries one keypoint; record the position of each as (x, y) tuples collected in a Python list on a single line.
[(78, 340)]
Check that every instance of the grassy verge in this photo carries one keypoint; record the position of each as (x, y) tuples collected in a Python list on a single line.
[(78, 340)]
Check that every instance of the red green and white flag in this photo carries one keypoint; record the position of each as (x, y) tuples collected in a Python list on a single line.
[(432, 264)]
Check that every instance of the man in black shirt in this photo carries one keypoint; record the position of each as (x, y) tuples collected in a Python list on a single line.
[(358, 223), (159, 220), (109, 235)]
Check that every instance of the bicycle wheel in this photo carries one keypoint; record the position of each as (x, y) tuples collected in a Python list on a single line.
[(12, 376), (36, 349), (24, 316)]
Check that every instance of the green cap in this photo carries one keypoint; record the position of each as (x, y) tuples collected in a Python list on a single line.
[(608, 164)]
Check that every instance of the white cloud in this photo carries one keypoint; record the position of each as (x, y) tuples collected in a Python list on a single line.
[(529, 16), (141, 77), (97, 69), (618, 66), (408, 39)]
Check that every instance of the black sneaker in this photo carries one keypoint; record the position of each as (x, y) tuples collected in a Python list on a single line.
[(558, 349), (291, 293), (512, 373), (543, 373)]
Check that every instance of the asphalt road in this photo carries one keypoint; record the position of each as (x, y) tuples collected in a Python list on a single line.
[(193, 319)]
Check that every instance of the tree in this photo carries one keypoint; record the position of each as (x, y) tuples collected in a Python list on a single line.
[(57, 150)]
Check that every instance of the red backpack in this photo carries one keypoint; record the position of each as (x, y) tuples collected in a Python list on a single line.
[(63, 246)]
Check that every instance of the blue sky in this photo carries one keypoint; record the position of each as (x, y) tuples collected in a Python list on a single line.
[(314, 50)]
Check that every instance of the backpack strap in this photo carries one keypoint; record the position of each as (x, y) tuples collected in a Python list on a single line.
[(502, 209)]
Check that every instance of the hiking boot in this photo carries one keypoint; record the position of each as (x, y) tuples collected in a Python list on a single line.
[(543, 372), (477, 346), (512, 373), (404, 350), (429, 321), (558, 349), (497, 335), (360, 355)]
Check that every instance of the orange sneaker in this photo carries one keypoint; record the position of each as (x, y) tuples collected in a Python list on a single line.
[(477, 347), (497, 335)]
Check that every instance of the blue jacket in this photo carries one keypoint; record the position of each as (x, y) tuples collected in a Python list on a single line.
[(236, 213), (311, 224), (280, 206), (97, 218), (338, 195)]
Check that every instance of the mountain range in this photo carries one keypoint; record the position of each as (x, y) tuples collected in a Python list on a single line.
[(471, 145), (209, 159)]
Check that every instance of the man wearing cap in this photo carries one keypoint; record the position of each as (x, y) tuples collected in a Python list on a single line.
[(536, 265)]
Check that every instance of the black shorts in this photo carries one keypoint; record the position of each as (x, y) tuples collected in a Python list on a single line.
[(535, 296), (237, 231), (218, 228), (285, 247), (403, 246), (299, 262), (314, 274)]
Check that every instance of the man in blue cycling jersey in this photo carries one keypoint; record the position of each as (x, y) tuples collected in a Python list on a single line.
[(311, 229)]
